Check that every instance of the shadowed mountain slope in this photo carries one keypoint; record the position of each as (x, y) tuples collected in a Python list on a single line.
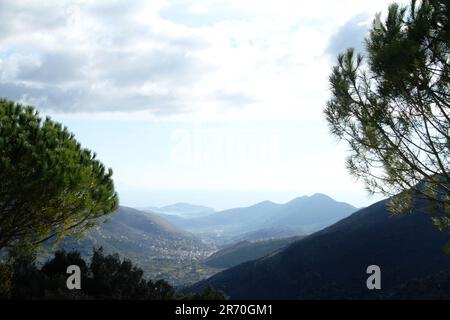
[(332, 263)]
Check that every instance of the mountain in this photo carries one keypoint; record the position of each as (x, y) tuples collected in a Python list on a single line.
[(264, 234), (310, 213), (161, 249), (301, 215), (435, 286), (246, 251), (332, 263), (181, 209), (237, 219)]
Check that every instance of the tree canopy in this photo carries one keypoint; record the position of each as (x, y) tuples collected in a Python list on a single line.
[(392, 106), (106, 277), (49, 184)]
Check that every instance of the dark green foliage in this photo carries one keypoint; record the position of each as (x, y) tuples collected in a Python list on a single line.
[(49, 184), (161, 290), (393, 107), (58, 265), (6, 276), (112, 278), (107, 277), (31, 283)]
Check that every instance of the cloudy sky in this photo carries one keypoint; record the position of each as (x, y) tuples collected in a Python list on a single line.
[(217, 102)]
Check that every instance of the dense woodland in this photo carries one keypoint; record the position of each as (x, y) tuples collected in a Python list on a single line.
[(104, 277)]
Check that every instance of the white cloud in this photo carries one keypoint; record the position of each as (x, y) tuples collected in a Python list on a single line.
[(208, 59), (121, 74)]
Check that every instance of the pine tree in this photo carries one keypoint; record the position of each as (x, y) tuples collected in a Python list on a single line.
[(393, 107), (49, 184)]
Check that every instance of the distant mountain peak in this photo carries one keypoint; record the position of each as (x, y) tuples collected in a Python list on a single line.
[(299, 216), (321, 196), (263, 203), (315, 198), (178, 204), (298, 199), (186, 206)]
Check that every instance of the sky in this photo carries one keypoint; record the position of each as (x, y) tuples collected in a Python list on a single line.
[(216, 102)]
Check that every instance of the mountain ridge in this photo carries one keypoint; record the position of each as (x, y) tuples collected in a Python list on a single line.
[(302, 215), (331, 263), (181, 209), (244, 251)]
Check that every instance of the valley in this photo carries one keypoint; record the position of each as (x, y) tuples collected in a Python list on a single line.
[(185, 243), (160, 249), (251, 258)]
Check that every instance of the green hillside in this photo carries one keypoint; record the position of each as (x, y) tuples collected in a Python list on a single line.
[(159, 248), (246, 251)]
